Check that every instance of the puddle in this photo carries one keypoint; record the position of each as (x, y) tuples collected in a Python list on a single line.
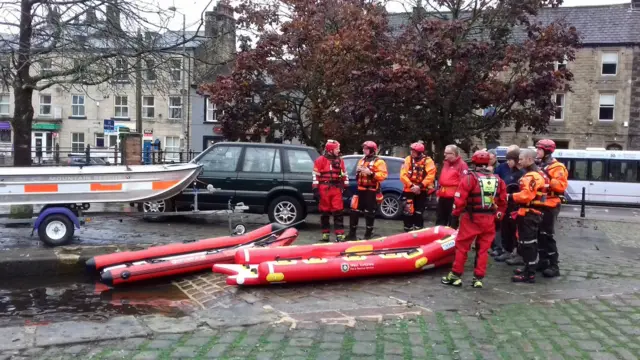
[(33, 302)]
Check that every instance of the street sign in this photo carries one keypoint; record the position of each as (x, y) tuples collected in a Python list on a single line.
[(109, 126)]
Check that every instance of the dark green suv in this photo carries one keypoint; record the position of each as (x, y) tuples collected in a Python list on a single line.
[(268, 178)]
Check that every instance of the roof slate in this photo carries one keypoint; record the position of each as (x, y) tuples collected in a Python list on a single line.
[(597, 25)]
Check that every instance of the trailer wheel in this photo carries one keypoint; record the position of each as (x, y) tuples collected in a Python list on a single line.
[(240, 229), (56, 230)]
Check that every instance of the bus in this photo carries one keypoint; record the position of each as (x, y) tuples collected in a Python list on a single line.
[(610, 177)]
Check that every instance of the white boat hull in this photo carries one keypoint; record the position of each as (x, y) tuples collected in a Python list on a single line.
[(94, 184)]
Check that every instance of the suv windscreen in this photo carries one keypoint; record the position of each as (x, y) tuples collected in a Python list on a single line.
[(299, 161)]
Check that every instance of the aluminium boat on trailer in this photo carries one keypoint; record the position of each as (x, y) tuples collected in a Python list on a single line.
[(53, 185), (66, 192)]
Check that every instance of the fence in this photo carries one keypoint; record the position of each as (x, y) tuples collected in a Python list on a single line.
[(57, 156)]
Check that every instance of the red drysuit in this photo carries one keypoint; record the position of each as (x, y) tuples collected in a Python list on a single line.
[(477, 208)]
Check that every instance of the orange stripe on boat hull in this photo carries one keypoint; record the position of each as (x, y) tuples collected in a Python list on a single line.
[(41, 188), (163, 185), (106, 187)]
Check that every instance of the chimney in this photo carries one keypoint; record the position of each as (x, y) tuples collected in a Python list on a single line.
[(90, 17), (419, 12), (220, 20), (113, 14), (150, 36)]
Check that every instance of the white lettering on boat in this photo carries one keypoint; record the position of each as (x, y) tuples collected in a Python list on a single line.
[(86, 177)]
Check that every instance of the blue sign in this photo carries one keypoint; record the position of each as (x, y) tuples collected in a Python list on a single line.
[(109, 126)]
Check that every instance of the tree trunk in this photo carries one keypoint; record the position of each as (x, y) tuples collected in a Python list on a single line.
[(22, 122), (23, 109)]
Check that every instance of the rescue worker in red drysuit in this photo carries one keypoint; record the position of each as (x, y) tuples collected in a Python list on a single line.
[(371, 171), (452, 172), (330, 180), (533, 188), (418, 175), (558, 183), (479, 200)]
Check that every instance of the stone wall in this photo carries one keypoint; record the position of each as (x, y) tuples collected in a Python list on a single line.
[(580, 125)]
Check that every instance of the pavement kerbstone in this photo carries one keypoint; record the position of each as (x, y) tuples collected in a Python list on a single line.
[(197, 341), (170, 326)]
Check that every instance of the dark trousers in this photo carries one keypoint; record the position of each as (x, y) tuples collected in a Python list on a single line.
[(367, 206), (528, 226), (443, 211), (547, 247), (413, 219), (508, 232)]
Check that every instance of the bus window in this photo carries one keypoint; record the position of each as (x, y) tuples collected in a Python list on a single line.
[(597, 170), (623, 170), (567, 163), (579, 170)]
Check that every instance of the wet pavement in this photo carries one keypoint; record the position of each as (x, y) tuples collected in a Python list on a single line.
[(588, 312), (34, 301)]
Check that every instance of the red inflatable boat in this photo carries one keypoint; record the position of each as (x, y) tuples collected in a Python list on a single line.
[(349, 265), (187, 263), (103, 261), (405, 240)]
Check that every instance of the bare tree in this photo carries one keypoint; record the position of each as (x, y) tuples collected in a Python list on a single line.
[(80, 43)]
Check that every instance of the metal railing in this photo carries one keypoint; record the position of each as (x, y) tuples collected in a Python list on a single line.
[(88, 155)]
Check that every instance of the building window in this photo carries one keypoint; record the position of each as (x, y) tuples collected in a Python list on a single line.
[(46, 67), (176, 69), (122, 107), (560, 65), (607, 106), (121, 70), (148, 110), (103, 141), (150, 73), (175, 107), (45, 105), (77, 105), (212, 112), (4, 104), (172, 148), (77, 142), (559, 101), (5, 136), (609, 63)]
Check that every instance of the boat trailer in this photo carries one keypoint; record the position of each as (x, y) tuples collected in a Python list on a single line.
[(56, 224)]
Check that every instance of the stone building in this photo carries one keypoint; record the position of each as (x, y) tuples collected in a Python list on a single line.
[(603, 110), (74, 118)]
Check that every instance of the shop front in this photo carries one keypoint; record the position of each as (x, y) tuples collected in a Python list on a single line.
[(44, 137)]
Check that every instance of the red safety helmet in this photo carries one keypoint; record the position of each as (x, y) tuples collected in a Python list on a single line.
[(547, 145), (481, 157), (419, 147), (331, 145), (371, 145)]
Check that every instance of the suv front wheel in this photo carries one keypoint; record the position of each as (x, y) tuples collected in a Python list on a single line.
[(285, 210)]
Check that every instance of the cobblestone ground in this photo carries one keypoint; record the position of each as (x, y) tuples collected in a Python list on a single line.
[(595, 328)]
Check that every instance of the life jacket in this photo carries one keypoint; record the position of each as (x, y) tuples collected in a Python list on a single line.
[(547, 170), (367, 181), (482, 197), (541, 195), (418, 170), (330, 171)]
